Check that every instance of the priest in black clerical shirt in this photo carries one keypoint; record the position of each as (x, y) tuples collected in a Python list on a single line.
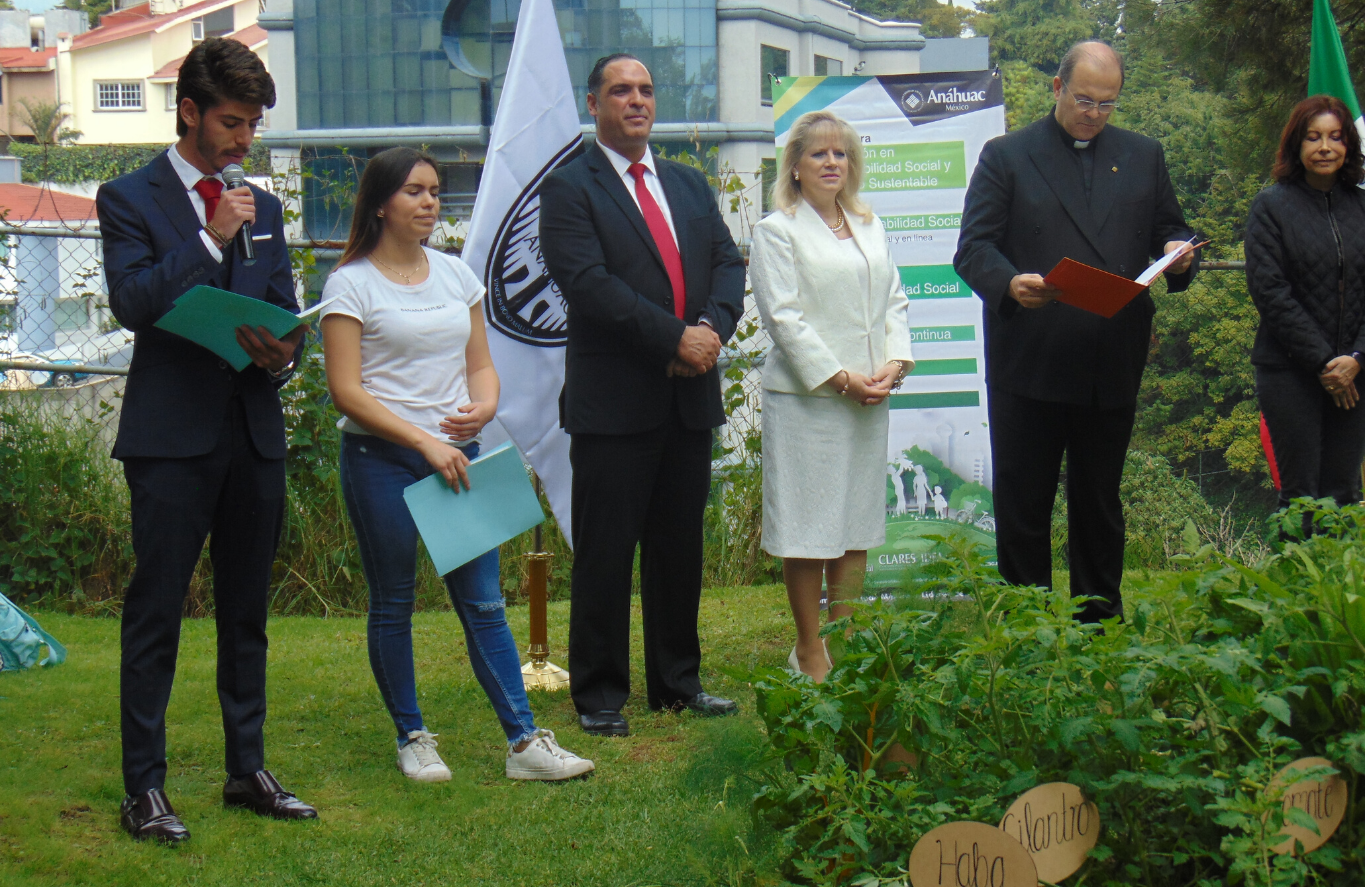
[(1061, 380)]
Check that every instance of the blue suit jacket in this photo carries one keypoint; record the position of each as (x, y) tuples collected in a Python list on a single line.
[(178, 392)]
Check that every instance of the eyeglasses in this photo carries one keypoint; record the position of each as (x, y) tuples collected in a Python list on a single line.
[(1091, 104)]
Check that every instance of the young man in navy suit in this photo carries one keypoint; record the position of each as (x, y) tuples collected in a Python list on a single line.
[(202, 444), (654, 285)]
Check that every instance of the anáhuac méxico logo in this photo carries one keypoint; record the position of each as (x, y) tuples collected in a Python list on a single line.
[(915, 101), (524, 302)]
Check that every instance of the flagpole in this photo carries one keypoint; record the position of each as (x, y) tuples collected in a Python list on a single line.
[(539, 673)]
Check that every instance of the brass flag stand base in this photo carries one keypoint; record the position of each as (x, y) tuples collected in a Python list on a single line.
[(540, 674)]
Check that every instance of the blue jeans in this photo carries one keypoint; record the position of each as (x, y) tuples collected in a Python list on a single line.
[(373, 475)]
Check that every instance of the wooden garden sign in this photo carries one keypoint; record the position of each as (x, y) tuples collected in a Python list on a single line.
[(1056, 825), (970, 854), (1323, 800)]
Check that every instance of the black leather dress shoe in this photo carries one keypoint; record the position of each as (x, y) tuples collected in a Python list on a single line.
[(604, 723), (263, 795), (710, 706), (149, 816)]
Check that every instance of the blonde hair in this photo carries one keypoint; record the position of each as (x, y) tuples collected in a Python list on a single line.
[(807, 128)]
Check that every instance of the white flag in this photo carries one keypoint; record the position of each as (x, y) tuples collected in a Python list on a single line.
[(536, 129)]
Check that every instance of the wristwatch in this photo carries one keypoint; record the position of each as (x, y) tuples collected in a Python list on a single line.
[(286, 370)]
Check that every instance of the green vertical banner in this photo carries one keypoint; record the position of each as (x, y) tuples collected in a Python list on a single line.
[(1327, 71), (921, 135)]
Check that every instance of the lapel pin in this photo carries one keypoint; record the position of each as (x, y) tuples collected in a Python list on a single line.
[(1114, 168)]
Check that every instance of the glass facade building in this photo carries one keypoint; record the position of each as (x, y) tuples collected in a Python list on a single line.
[(394, 63)]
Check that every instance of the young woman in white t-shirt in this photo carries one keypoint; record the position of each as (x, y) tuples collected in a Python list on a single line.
[(409, 370)]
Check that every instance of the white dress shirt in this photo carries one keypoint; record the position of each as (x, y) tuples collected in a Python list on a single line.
[(189, 177), (656, 188)]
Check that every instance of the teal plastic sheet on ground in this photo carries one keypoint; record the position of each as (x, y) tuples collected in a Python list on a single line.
[(22, 640)]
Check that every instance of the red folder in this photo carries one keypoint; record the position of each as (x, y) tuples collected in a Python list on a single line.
[(1091, 289)]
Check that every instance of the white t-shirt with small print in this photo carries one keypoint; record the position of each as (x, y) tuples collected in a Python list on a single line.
[(412, 338)]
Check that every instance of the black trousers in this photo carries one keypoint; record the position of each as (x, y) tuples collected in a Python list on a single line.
[(1028, 439), (237, 498), (648, 489), (1318, 446)]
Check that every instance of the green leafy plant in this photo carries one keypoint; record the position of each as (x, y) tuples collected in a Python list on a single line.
[(81, 164), (1174, 722)]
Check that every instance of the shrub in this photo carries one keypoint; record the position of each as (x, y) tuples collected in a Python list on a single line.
[(1173, 722), (82, 164), (64, 526), (1157, 506)]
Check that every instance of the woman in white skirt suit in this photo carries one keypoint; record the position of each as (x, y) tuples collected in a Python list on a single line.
[(831, 300)]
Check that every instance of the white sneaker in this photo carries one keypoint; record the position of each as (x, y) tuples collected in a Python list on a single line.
[(544, 759), (418, 759)]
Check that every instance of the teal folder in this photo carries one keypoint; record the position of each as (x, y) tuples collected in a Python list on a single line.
[(209, 316), (458, 527)]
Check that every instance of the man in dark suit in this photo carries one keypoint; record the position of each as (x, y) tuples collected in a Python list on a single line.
[(202, 445), (654, 286), (1062, 380)]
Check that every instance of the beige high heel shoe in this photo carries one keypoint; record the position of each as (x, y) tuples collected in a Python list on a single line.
[(795, 664)]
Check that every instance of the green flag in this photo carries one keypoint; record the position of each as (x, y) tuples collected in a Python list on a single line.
[(1327, 72)]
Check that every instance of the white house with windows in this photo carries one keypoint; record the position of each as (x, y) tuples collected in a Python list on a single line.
[(118, 80)]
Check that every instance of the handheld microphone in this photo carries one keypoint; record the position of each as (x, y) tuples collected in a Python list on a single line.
[(235, 177)]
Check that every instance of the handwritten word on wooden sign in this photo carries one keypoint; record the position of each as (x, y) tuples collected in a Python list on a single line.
[(1323, 800), (970, 854), (1057, 825)]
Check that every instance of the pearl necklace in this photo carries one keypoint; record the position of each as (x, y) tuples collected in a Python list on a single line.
[(407, 278), (839, 227)]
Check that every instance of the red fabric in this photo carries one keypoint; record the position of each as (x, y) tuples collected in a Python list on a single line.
[(663, 238), (211, 190), (1269, 453)]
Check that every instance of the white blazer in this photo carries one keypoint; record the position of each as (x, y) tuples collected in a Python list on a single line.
[(818, 319)]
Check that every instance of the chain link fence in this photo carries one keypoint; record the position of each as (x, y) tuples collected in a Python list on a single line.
[(60, 341), (64, 525), (63, 512)]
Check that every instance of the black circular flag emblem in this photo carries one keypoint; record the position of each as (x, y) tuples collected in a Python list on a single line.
[(523, 302)]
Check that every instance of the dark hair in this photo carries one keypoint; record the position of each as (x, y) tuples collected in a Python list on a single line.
[(384, 175), (1288, 160), (221, 70), (1090, 49), (598, 69)]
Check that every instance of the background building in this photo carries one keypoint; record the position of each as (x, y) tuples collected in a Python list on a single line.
[(118, 80), (28, 69), (52, 298), (361, 76)]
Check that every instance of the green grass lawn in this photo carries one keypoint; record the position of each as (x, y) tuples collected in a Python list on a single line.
[(668, 805)]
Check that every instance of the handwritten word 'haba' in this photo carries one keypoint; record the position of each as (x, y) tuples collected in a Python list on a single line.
[(968, 868)]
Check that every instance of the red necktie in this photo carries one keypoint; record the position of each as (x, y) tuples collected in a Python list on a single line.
[(663, 238), (210, 190)]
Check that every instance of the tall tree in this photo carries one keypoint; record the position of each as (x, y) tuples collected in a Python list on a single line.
[(1040, 32), (47, 122), (936, 19)]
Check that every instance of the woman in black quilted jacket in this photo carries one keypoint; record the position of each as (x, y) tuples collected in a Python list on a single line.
[(1305, 249)]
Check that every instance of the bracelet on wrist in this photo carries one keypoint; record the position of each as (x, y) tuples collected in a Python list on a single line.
[(844, 390), (219, 237)]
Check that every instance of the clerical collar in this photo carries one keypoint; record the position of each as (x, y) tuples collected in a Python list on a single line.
[(1067, 138)]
